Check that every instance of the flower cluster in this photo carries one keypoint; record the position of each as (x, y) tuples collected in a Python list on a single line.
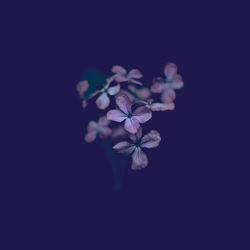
[(134, 107)]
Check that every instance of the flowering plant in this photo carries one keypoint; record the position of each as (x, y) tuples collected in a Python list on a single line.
[(133, 107)]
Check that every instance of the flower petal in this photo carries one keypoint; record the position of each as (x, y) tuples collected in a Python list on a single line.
[(177, 82), (130, 97), (103, 121), (90, 136), (140, 159), (162, 106), (170, 70), (158, 86), (132, 125), (142, 114), (116, 115), (124, 103), (102, 102), (105, 132), (119, 70), (82, 87), (135, 82), (120, 78), (151, 140), (124, 147), (114, 90), (119, 132), (143, 93), (92, 126), (134, 73), (168, 95), (137, 136)]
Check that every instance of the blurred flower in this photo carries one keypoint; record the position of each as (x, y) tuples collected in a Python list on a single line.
[(167, 88), (125, 92), (121, 75), (95, 128), (103, 101), (140, 160), (82, 87), (118, 133), (157, 106), (141, 93), (132, 119)]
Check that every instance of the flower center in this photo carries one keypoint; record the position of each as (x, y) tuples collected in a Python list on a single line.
[(130, 115)]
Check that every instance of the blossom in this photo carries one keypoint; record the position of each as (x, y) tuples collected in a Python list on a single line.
[(82, 87), (132, 119), (95, 128), (141, 93), (121, 75), (167, 87), (103, 101), (139, 158), (157, 106)]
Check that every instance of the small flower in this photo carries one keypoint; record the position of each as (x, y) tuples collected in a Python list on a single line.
[(121, 75), (132, 119), (141, 93), (140, 160), (82, 87), (95, 128), (167, 88), (103, 101)]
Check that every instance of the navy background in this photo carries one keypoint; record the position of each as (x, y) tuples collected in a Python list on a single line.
[(64, 188)]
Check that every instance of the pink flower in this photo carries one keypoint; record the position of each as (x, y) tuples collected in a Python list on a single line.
[(82, 87), (103, 101), (132, 119), (167, 88), (121, 75), (140, 160), (95, 128), (141, 93)]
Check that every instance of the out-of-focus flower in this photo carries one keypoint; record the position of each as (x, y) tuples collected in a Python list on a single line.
[(157, 106), (140, 160), (167, 87), (118, 133), (141, 93), (103, 101), (82, 87), (132, 119), (95, 128), (125, 92), (121, 75)]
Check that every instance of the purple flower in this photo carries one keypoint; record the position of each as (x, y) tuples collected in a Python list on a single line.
[(132, 119), (82, 87), (103, 101), (167, 88), (140, 160), (121, 75), (95, 128), (141, 93)]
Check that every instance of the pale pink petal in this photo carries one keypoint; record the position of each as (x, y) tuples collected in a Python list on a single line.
[(142, 114), (177, 82), (124, 103), (170, 70), (132, 125), (103, 121), (151, 140), (134, 73), (102, 102), (140, 159), (137, 136), (82, 87), (130, 97), (143, 93), (119, 70), (120, 78), (116, 115), (135, 82), (162, 106), (114, 90), (92, 126), (157, 87), (90, 136), (168, 96), (105, 132), (124, 147)]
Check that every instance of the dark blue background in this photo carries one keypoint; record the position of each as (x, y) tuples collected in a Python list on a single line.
[(64, 190)]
